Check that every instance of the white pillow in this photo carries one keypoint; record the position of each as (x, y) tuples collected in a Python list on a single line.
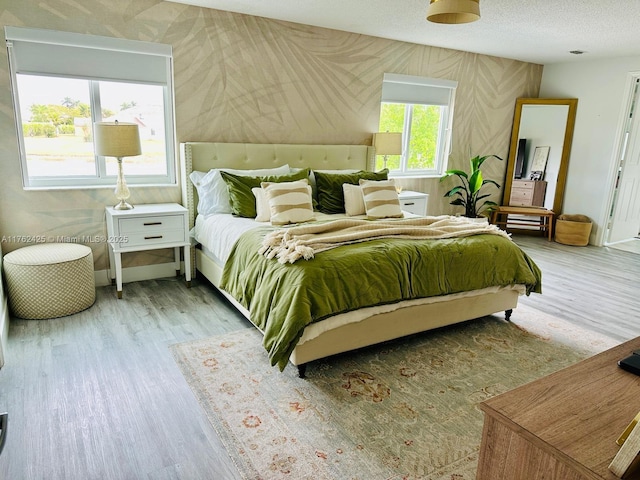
[(289, 202), (262, 204), (380, 199), (213, 196), (353, 200)]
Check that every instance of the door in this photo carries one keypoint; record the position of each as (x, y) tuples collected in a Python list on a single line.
[(625, 219)]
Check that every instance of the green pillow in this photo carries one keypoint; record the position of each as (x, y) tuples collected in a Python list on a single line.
[(330, 193), (243, 202)]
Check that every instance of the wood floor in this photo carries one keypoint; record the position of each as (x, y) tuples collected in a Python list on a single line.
[(97, 395), (595, 287)]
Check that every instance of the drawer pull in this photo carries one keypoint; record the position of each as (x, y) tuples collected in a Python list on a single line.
[(147, 224), (409, 203), (154, 237)]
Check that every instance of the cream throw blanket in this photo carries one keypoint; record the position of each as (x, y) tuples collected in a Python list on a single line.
[(304, 241)]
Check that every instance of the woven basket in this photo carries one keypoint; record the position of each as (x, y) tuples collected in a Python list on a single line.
[(573, 230)]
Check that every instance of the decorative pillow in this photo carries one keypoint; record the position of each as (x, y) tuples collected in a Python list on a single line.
[(312, 178), (212, 190), (353, 201), (263, 212), (243, 202), (289, 202), (381, 199), (330, 192)]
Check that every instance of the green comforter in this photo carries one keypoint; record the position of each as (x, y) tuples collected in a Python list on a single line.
[(284, 298)]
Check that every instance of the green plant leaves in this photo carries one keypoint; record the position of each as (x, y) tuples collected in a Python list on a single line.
[(467, 193)]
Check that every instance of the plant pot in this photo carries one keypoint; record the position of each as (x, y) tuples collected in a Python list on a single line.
[(573, 230)]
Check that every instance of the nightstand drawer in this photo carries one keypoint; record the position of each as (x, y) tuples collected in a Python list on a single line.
[(519, 195), (414, 202), (524, 184), (151, 224), (417, 206), (140, 239)]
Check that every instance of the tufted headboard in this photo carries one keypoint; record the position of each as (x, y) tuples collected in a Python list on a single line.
[(203, 156)]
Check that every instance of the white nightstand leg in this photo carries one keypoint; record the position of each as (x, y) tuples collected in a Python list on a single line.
[(187, 265), (112, 271), (176, 260), (118, 261)]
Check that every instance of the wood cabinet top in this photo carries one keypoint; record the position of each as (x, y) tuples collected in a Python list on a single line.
[(579, 412)]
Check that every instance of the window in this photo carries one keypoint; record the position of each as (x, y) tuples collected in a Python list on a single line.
[(63, 83), (422, 109)]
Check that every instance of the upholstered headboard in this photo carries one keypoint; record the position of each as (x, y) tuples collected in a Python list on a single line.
[(203, 156)]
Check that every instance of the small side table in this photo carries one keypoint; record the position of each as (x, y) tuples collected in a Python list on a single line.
[(147, 227), (414, 202)]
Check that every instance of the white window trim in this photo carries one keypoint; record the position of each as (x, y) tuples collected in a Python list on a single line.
[(88, 43)]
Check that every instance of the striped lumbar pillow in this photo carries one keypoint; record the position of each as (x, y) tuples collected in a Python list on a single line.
[(381, 199), (290, 202)]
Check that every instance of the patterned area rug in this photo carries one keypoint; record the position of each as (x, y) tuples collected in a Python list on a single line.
[(403, 410)]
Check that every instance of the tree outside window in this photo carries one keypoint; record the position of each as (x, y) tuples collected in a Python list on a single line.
[(420, 126)]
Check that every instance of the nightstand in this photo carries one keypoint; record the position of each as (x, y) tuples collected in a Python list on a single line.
[(528, 193), (414, 202), (147, 227)]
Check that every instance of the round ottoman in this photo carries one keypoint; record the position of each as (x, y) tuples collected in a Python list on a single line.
[(49, 280)]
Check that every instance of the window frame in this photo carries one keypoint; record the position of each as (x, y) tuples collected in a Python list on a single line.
[(410, 91), (95, 45)]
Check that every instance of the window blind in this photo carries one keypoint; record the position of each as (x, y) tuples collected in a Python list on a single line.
[(36, 51), (398, 88)]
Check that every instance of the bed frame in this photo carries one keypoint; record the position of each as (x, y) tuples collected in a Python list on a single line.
[(375, 329)]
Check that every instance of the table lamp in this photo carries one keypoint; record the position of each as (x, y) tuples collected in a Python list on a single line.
[(387, 143), (118, 139)]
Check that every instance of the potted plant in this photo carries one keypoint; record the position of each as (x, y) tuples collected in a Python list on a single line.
[(467, 194)]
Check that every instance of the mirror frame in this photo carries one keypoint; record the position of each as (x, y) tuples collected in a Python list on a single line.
[(566, 149)]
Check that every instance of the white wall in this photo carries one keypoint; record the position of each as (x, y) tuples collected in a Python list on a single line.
[(600, 87)]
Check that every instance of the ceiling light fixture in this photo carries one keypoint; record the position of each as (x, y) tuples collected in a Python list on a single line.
[(453, 11)]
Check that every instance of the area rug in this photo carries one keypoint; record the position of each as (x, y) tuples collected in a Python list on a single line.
[(406, 409)]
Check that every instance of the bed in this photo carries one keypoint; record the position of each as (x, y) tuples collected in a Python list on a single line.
[(352, 329)]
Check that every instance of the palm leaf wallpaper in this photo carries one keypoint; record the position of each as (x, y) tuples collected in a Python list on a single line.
[(239, 78)]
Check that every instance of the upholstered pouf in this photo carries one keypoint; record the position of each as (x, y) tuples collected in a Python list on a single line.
[(49, 280)]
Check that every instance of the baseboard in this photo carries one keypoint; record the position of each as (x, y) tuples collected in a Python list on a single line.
[(136, 274)]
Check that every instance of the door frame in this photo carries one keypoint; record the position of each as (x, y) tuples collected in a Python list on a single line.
[(621, 132)]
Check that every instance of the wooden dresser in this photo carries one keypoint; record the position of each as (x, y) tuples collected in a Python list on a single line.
[(527, 193), (563, 426)]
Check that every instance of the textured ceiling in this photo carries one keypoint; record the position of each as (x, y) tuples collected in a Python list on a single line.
[(537, 31)]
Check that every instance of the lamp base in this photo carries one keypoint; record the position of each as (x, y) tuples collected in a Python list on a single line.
[(123, 206)]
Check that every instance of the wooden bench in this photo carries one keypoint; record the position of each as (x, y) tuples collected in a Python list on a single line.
[(540, 217)]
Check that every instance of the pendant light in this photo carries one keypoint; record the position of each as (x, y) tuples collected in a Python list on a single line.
[(453, 11)]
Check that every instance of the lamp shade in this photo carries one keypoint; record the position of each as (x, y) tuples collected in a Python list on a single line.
[(453, 11), (387, 143), (116, 139)]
